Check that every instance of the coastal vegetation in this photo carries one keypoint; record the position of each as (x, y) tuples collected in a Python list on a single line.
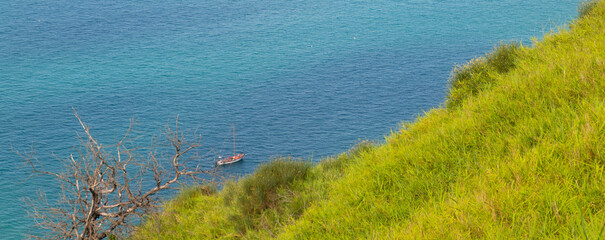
[(517, 151)]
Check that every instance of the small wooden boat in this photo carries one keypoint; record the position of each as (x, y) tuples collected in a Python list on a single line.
[(231, 159)]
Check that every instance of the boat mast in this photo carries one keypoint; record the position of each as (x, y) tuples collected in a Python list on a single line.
[(233, 139)]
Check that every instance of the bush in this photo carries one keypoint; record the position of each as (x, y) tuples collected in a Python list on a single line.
[(586, 7), (259, 195), (259, 191), (504, 56), (480, 73)]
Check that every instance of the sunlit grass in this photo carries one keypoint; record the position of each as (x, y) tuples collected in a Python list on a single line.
[(517, 153)]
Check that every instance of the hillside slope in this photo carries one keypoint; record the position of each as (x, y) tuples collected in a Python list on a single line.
[(518, 152)]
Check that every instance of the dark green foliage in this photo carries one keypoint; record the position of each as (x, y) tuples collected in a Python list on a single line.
[(242, 222), (230, 192), (468, 80), (586, 7), (504, 56), (259, 191)]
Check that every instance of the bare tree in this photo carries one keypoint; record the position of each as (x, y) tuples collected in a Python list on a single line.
[(100, 196)]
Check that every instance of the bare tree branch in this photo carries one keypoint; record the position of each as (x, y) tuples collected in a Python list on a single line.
[(99, 197)]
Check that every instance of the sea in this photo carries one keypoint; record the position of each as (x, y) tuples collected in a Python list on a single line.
[(302, 79)]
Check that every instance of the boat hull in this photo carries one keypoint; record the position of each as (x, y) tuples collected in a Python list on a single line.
[(230, 160)]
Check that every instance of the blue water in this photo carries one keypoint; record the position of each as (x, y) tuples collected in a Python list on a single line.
[(300, 78)]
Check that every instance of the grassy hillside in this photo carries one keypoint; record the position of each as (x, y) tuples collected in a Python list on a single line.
[(518, 151)]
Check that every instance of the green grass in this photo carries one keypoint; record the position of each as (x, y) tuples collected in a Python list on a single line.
[(518, 152), (586, 7), (481, 73)]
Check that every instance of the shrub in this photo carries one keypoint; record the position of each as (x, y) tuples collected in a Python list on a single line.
[(477, 75), (259, 191), (254, 195), (586, 7), (504, 56)]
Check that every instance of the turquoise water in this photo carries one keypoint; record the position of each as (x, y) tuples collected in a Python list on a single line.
[(300, 78)]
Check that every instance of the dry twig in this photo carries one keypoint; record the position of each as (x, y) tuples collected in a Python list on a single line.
[(100, 197)]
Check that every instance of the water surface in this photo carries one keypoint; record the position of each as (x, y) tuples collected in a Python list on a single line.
[(300, 78)]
